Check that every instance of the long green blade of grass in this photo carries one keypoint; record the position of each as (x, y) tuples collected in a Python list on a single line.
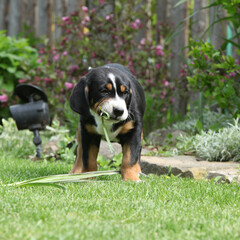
[(63, 178)]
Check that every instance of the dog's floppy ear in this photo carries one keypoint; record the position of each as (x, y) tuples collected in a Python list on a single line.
[(79, 99)]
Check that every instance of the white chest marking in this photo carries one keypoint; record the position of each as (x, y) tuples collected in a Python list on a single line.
[(108, 125)]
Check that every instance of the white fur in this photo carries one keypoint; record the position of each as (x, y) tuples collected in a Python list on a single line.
[(115, 102), (108, 125)]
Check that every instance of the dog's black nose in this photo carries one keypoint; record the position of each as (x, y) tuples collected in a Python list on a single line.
[(118, 112)]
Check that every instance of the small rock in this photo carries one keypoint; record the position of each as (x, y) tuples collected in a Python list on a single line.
[(164, 137)]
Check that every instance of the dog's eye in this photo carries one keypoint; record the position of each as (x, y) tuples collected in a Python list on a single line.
[(106, 91)]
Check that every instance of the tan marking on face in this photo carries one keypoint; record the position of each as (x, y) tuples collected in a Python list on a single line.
[(130, 91), (90, 128), (87, 89), (122, 88), (77, 168), (129, 172), (127, 127), (109, 86)]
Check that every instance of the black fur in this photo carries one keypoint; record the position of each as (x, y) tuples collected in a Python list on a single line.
[(92, 89)]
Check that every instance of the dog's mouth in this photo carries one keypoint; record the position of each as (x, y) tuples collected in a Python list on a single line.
[(107, 117)]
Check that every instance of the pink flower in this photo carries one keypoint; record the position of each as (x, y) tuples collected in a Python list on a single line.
[(162, 95), (183, 73), (48, 80), (232, 74), (85, 9), (42, 50), (159, 50), (157, 66), (172, 100), (68, 85), (136, 24), (223, 80), (165, 82), (74, 67), (143, 41), (102, 1), (65, 53), (56, 57), (164, 109), (87, 19), (109, 17), (65, 19), (21, 80), (211, 74), (137, 21), (39, 60), (3, 98), (37, 79), (122, 54)]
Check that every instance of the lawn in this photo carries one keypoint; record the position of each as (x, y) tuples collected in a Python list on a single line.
[(159, 208)]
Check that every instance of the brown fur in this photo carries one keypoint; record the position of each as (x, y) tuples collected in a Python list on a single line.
[(77, 168), (127, 127), (129, 172)]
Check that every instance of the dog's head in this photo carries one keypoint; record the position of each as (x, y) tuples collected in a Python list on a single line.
[(103, 91)]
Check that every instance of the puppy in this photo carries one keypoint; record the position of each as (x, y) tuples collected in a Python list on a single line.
[(110, 89)]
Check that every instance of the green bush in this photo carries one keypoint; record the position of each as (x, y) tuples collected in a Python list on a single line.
[(215, 75), (212, 120), (223, 145), (18, 61)]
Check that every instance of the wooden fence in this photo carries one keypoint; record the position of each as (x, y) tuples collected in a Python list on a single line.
[(38, 17)]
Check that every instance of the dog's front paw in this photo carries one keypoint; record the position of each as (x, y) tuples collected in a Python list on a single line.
[(131, 173)]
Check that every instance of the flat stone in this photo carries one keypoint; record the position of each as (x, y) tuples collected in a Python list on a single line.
[(189, 166), (184, 166)]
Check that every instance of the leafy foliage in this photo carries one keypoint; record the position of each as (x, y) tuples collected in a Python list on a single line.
[(215, 75), (214, 146), (212, 120), (13, 141), (17, 61)]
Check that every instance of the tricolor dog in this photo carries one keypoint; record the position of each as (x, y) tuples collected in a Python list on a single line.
[(112, 90)]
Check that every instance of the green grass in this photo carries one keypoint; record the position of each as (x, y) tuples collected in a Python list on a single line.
[(159, 208)]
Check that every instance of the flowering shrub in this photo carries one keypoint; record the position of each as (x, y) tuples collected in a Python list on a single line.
[(215, 75), (94, 37), (17, 60)]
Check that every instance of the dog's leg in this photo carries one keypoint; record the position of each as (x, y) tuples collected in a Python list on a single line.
[(77, 168), (87, 151), (130, 168)]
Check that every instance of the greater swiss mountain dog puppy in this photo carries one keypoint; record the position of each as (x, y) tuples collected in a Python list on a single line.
[(110, 89)]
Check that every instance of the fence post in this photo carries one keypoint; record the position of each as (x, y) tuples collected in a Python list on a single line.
[(14, 26), (3, 6), (179, 41)]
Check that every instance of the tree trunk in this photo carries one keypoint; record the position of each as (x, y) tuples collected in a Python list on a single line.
[(14, 27), (179, 41)]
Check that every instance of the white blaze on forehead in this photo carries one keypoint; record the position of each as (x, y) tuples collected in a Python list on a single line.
[(115, 103), (113, 80)]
